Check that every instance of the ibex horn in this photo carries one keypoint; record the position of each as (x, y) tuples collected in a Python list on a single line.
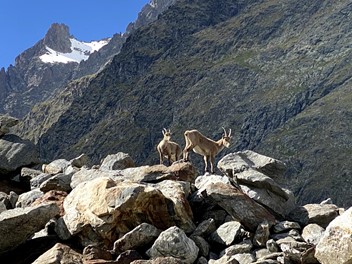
[(225, 134)]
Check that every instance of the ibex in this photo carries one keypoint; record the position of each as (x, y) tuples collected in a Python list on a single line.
[(167, 148), (204, 146)]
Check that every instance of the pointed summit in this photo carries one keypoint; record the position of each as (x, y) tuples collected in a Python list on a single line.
[(58, 38)]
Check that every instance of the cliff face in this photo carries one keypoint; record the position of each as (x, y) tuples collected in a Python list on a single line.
[(276, 72)]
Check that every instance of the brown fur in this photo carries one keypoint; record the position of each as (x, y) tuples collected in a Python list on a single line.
[(204, 146)]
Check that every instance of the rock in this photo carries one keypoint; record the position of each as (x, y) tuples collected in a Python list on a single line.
[(53, 196), (284, 226), (202, 181), (336, 243), (253, 173), (5, 201), (159, 260), (278, 205), (173, 242), (128, 257), (60, 253), (312, 233), (321, 214), (38, 180), (204, 213), (238, 205), (56, 166), (27, 198), (235, 163), (16, 153), (6, 122), (84, 175), (261, 235), (140, 236), (177, 193), (118, 161), (150, 174), (95, 252), (101, 209), (80, 161), (245, 258), (224, 260), (28, 173), (19, 224), (292, 248), (183, 171), (272, 246), (58, 182), (227, 233), (243, 247), (13, 198), (61, 230), (205, 228), (202, 244)]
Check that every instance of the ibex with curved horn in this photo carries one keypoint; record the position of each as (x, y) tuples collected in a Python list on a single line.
[(204, 146), (167, 148)]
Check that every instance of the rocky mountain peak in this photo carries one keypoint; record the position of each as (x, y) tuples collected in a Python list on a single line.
[(58, 38), (149, 13)]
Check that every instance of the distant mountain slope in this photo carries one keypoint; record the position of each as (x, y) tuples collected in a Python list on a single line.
[(44, 69), (276, 72)]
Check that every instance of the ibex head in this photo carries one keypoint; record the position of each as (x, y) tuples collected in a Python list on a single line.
[(166, 133), (226, 138)]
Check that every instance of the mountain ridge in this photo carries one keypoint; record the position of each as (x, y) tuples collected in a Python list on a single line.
[(31, 80)]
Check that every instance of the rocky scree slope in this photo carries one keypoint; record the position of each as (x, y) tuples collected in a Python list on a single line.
[(116, 212), (276, 72)]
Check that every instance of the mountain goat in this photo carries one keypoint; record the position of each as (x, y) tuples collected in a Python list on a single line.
[(167, 148), (204, 146)]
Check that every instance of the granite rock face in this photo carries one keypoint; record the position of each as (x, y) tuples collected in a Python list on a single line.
[(16, 153)]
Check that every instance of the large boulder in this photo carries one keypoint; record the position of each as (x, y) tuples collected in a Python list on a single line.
[(27, 198), (56, 166), (140, 236), (59, 182), (16, 153), (6, 122), (177, 193), (173, 242), (183, 171), (238, 205), (60, 253), (18, 224), (321, 214), (235, 163), (336, 243), (254, 173), (227, 233), (84, 175), (118, 161), (101, 210)]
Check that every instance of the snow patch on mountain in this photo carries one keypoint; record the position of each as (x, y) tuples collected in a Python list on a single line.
[(79, 51)]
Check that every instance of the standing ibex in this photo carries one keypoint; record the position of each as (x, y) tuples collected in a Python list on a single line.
[(169, 149), (204, 146)]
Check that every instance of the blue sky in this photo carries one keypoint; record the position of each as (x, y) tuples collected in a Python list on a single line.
[(25, 22)]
